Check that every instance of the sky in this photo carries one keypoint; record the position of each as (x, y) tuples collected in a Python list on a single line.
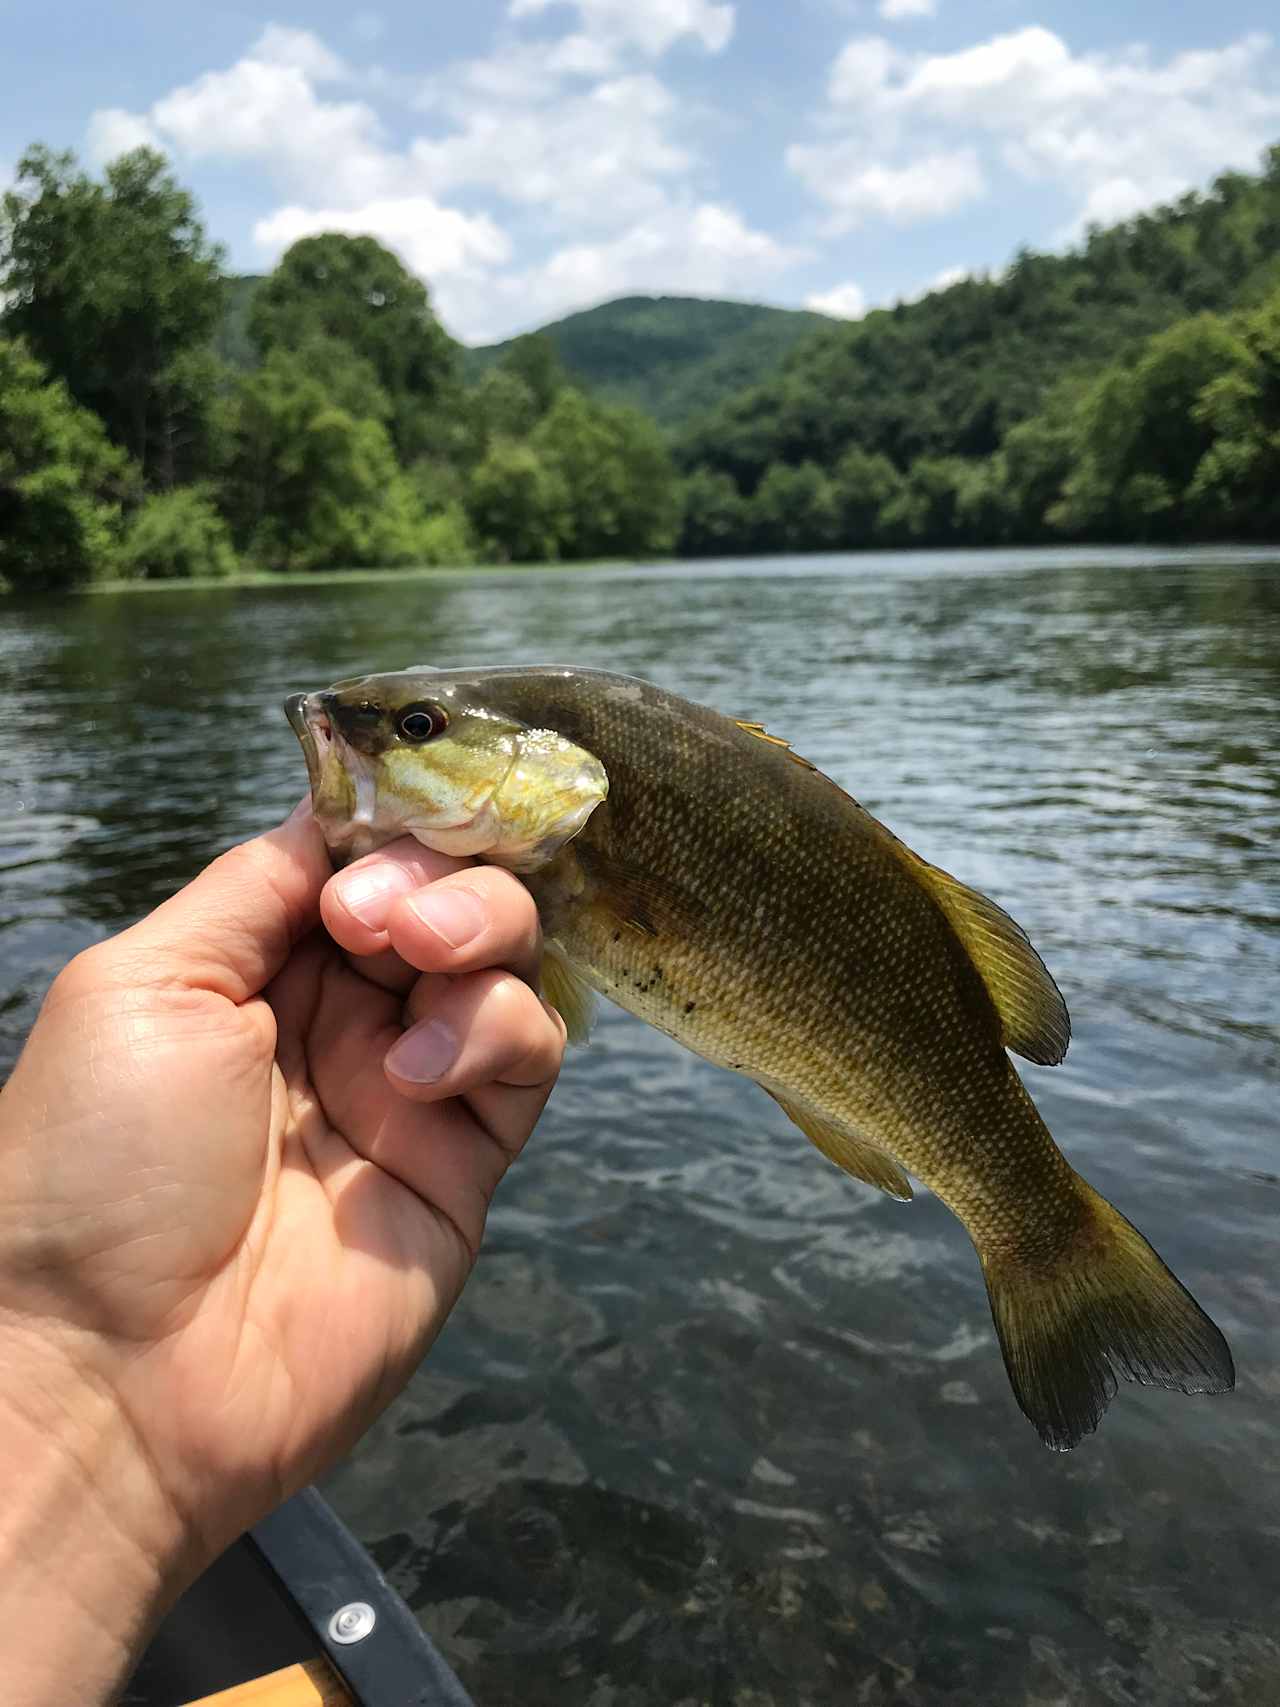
[(532, 157)]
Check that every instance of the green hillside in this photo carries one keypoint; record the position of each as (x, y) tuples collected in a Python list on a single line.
[(671, 356), (1073, 396), (668, 355), (950, 374)]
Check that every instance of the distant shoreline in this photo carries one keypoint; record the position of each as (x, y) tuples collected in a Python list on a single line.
[(328, 577)]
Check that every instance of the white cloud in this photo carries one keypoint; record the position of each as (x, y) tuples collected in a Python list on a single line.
[(279, 44), (702, 249), (575, 127), (844, 302), (947, 277), (601, 154), (893, 9), (438, 242), (651, 25), (1114, 131), (927, 188), (113, 132), (265, 109), (862, 71)]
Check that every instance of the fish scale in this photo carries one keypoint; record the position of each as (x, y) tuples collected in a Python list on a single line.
[(696, 871)]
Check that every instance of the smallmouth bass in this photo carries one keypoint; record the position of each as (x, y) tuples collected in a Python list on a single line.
[(699, 873)]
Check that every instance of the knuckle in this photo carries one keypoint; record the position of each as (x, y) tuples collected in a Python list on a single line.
[(84, 976)]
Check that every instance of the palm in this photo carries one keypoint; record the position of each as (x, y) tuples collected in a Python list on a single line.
[(294, 1263), (224, 1201)]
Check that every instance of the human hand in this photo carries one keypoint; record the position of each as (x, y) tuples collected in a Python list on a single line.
[(237, 1200)]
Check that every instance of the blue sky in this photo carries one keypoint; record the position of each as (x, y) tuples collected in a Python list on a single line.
[(530, 157)]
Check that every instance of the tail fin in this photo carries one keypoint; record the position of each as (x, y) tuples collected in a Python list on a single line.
[(1107, 1306)]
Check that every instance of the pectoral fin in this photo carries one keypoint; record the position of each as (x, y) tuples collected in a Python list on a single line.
[(864, 1161), (572, 999)]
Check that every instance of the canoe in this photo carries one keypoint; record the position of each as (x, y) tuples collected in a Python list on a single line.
[(296, 1614)]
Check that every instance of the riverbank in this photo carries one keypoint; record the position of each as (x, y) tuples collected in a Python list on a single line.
[(332, 577)]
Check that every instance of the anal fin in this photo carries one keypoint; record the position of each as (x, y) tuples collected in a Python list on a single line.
[(857, 1157)]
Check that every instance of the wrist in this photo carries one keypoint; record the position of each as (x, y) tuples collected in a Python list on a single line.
[(91, 1551)]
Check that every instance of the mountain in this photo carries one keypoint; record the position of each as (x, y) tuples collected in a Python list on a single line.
[(950, 374), (671, 356)]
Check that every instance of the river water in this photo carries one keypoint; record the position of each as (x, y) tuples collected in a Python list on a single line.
[(713, 1423)]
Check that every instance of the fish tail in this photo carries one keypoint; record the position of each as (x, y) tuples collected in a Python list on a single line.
[(1104, 1305)]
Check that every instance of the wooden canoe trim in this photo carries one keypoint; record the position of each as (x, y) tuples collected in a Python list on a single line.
[(313, 1684)]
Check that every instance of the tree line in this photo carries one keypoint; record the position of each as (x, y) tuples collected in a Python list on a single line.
[(129, 449), (1127, 390)]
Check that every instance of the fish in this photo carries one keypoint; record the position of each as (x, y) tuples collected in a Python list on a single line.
[(695, 870)]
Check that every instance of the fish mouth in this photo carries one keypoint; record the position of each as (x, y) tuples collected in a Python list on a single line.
[(315, 733)]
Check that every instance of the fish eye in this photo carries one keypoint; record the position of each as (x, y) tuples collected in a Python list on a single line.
[(421, 722)]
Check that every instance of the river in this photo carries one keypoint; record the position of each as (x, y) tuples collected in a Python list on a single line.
[(713, 1423)]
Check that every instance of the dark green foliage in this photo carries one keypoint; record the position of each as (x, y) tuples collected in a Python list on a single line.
[(519, 507), (353, 291), (1098, 394), (534, 361), (672, 356), (62, 481), (177, 535), (795, 509), (311, 485), (1140, 437), (865, 485), (1237, 483), (716, 519), (314, 419), (112, 285), (618, 475)]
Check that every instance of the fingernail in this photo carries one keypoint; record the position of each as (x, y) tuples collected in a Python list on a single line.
[(424, 1054), (367, 895), (455, 915)]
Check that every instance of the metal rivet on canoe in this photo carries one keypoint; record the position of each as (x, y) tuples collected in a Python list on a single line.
[(352, 1623)]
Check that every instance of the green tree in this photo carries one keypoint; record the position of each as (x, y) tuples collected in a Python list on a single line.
[(502, 406), (114, 286), (311, 485), (62, 481), (864, 485), (354, 291), (1034, 463), (177, 535), (795, 509), (950, 378), (1140, 435), (1236, 489), (926, 509), (519, 507), (715, 516), (615, 467), (534, 360)]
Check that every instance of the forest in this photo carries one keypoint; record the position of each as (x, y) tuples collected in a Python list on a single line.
[(157, 420)]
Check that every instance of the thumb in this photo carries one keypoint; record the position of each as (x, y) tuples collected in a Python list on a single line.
[(232, 928)]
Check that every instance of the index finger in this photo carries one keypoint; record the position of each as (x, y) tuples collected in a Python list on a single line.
[(406, 910)]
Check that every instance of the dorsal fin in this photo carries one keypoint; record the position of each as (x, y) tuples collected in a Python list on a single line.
[(762, 734), (1033, 1016), (1032, 1012)]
